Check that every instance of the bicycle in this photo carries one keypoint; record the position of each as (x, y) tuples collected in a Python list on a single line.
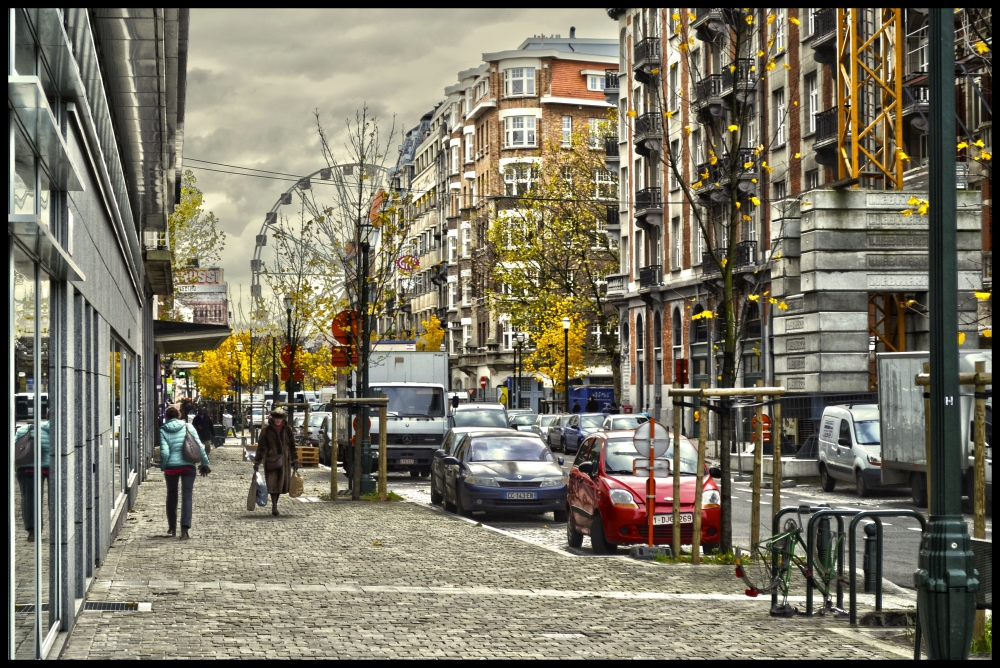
[(767, 566)]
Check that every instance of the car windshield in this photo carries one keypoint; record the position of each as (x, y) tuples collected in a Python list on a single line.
[(627, 422), (591, 421), (867, 432), (619, 454), (546, 420), (508, 449), (412, 401), (480, 418), (316, 420), (528, 418)]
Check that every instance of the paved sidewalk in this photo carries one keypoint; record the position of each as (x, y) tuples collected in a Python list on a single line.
[(358, 579)]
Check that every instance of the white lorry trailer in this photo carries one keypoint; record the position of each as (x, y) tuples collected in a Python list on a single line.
[(901, 413)]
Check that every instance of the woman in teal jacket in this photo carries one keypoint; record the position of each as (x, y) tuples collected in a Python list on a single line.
[(26, 477), (176, 470)]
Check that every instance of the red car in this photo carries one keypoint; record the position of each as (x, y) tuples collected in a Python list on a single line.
[(607, 502)]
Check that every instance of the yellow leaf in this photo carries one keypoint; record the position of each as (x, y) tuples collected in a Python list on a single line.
[(798, 155), (902, 155), (986, 155), (772, 300), (677, 29), (725, 260), (794, 21), (737, 205), (988, 333), (961, 338), (755, 200), (696, 184), (704, 174), (746, 218), (913, 201), (981, 48), (753, 298), (789, 67), (376, 543), (688, 129), (670, 114), (983, 295), (907, 212), (732, 68), (770, 18), (783, 306), (962, 145), (769, 66), (979, 144), (754, 180), (675, 16), (713, 160), (922, 209), (760, 54), (632, 113), (749, 19), (747, 165), (655, 70), (734, 128), (682, 47)]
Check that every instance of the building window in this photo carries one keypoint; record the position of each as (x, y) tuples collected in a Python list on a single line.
[(673, 88), (605, 186), (467, 291), (675, 247), (812, 179), (780, 191), (519, 178), (595, 82), (567, 130), (454, 160), (452, 295), (812, 102), (520, 131), (811, 15), (699, 149), (779, 30), (779, 117), (519, 81), (624, 255), (699, 247), (468, 148), (467, 335), (675, 148), (467, 242), (595, 127)]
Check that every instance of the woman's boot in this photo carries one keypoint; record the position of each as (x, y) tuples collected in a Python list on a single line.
[(274, 505)]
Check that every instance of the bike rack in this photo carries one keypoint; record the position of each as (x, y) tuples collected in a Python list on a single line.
[(810, 543), (877, 516), (775, 529)]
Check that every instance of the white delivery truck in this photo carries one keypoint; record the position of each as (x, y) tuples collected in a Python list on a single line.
[(903, 430), (415, 383)]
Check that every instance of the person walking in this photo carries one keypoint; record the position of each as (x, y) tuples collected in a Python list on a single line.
[(591, 406), (179, 471), (26, 476), (276, 450), (576, 406), (203, 424)]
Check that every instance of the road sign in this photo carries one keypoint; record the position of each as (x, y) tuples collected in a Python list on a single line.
[(767, 426), (641, 439), (284, 374), (640, 467), (354, 424), (299, 374), (286, 355), (482, 381), (339, 357), (345, 326)]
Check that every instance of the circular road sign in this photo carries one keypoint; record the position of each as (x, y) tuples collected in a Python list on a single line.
[(641, 439), (482, 382)]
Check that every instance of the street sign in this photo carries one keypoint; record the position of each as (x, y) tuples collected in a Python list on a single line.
[(286, 355), (345, 326), (641, 439), (482, 381), (767, 426), (640, 467), (284, 374), (299, 374), (339, 357)]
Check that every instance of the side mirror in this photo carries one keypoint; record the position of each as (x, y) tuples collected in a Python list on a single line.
[(561, 461), (587, 468), (452, 461), (844, 442), (715, 472), (439, 453)]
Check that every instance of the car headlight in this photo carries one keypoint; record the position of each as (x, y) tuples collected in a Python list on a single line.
[(622, 499), (554, 482), (874, 461), (481, 481), (710, 498)]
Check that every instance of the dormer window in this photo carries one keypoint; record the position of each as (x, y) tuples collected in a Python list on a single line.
[(519, 81)]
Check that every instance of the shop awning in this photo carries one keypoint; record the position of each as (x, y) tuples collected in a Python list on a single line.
[(187, 337)]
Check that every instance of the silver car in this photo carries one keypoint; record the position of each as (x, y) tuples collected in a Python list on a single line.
[(543, 425), (555, 438), (622, 421)]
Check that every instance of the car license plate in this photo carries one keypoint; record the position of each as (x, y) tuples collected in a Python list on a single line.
[(521, 495), (686, 518), (407, 461)]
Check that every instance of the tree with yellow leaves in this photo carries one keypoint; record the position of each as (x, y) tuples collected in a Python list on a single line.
[(433, 335), (316, 367), (547, 361)]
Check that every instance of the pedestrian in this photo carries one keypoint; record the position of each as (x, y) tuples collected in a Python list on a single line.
[(612, 408), (591, 406), (26, 475), (276, 450), (203, 424), (179, 471), (576, 406)]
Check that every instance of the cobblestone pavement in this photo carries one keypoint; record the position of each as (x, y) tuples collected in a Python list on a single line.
[(358, 579)]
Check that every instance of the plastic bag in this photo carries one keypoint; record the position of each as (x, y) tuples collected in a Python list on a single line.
[(296, 486), (252, 495), (261, 489)]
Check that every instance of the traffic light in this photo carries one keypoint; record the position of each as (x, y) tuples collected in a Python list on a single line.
[(182, 374)]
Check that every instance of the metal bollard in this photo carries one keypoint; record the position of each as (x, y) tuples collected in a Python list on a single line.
[(870, 564)]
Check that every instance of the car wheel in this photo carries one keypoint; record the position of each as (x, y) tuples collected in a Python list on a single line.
[(424, 474), (414, 474), (436, 496), (560, 515), (860, 486), (711, 548), (599, 540), (918, 488), (826, 480), (459, 508), (573, 537)]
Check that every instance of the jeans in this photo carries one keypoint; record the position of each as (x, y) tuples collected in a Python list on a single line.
[(26, 481), (187, 481)]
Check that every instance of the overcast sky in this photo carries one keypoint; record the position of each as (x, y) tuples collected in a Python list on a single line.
[(255, 77)]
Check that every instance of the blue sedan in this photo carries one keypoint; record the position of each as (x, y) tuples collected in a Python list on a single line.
[(580, 427), (502, 473)]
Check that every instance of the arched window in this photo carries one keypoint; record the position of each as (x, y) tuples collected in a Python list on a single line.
[(657, 331), (639, 338), (456, 384), (676, 325)]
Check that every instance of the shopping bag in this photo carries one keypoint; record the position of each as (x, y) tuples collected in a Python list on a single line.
[(261, 481), (296, 486), (252, 495)]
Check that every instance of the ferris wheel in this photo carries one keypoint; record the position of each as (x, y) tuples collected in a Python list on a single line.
[(341, 187)]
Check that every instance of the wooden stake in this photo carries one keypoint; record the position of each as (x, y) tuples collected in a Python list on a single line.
[(758, 449), (699, 478), (334, 447), (651, 483), (677, 478), (776, 449), (382, 454)]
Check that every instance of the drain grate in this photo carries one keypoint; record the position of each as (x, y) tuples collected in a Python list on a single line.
[(106, 606), (28, 608)]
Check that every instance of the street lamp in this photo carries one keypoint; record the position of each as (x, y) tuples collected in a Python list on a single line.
[(239, 380), (566, 323), (363, 449), (520, 338), (291, 356)]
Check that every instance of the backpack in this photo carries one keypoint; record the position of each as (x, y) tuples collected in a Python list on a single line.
[(192, 448), (24, 449)]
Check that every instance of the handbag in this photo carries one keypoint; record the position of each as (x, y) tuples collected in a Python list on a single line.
[(192, 448), (261, 480), (296, 486), (24, 449)]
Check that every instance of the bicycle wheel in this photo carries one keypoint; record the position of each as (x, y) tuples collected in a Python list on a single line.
[(755, 568)]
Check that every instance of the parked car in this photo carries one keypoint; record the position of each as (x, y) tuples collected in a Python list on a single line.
[(297, 421), (557, 432), (317, 423), (580, 426), (543, 426), (522, 421), (850, 447), (452, 440), (506, 472), (480, 415), (622, 421), (325, 441), (606, 502)]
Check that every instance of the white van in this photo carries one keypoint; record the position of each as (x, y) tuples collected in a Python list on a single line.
[(850, 447)]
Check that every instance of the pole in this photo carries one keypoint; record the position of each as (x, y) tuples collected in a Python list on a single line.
[(517, 376), (274, 370), (382, 460), (927, 440), (239, 392), (776, 453), (979, 481), (291, 367), (367, 482), (651, 484), (699, 475), (566, 368), (945, 579), (334, 446), (758, 453), (676, 501)]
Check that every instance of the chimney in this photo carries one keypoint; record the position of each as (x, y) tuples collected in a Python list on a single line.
[(572, 32)]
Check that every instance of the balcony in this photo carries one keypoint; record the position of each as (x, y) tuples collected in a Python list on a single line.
[(736, 165), (745, 81), (746, 255), (647, 58), (708, 24), (617, 285), (613, 223), (708, 265), (611, 87), (611, 156), (710, 96), (824, 37), (648, 207), (713, 188), (649, 134), (651, 276), (916, 101), (825, 142)]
